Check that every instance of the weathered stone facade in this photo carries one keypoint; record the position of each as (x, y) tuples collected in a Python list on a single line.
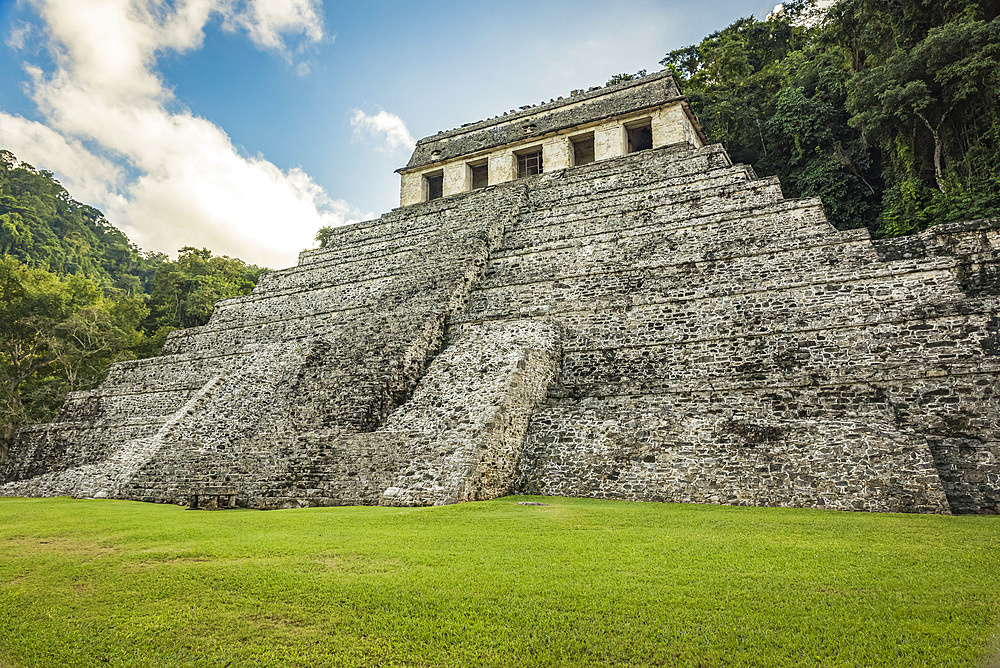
[(660, 325), (602, 115)]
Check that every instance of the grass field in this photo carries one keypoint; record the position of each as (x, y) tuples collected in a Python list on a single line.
[(573, 583)]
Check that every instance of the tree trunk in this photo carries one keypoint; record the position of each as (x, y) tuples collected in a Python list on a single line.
[(938, 145), (760, 131), (938, 175), (5, 440)]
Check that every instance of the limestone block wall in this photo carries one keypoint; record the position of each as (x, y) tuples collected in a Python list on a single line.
[(698, 449), (602, 112), (532, 122), (473, 407), (742, 350), (670, 124)]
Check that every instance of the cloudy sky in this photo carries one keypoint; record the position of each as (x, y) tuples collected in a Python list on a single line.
[(245, 125)]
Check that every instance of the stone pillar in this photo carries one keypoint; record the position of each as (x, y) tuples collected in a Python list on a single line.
[(410, 190), (609, 141), (456, 178), (671, 125), (503, 167), (556, 154)]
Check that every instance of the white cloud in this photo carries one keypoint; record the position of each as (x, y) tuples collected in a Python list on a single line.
[(386, 128), (189, 185), (268, 22), (86, 176), (20, 34)]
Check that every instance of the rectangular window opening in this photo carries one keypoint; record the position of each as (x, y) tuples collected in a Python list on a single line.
[(529, 163), (480, 174), (640, 136), (583, 149), (434, 185)]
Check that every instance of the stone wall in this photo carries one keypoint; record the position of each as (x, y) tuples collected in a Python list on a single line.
[(657, 326), (724, 345), (472, 410)]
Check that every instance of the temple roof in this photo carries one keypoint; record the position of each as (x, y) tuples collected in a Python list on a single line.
[(536, 121)]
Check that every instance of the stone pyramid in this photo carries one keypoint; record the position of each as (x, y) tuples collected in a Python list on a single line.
[(646, 322)]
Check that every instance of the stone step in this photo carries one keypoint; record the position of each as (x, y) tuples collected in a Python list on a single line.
[(324, 317), (805, 215), (727, 200), (225, 313), (816, 355), (801, 219), (732, 181), (696, 280), (178, 371), (375, 256), (903, 391), (59, 446), (359, 240), (378, 294), (559, 196), (452, 256), (712, 453), (210, 339), (826, 305), (399, 226), (972, 238), (901, 376), (433, 252), (667, 163), (113, 406), (752, 235)]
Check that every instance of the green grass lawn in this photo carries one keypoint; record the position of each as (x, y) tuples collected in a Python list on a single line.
[(574, 583)]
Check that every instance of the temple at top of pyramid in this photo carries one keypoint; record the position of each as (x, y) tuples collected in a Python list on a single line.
[(598, 124), (579, 298)]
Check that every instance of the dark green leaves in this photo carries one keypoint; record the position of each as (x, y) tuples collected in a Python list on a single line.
[(888, 111), (184, 292)]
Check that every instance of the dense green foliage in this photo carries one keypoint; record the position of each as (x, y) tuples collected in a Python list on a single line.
[(324, 236), (625, 76), (56, 334), (184, 292), (76, 295), (42, 226), (575, 583), (887, 110)]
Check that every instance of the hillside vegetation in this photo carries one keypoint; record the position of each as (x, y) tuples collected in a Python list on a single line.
[(888, 111)]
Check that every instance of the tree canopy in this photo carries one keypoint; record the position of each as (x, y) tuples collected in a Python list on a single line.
[(888, 111), (57, 334), (42, 226)]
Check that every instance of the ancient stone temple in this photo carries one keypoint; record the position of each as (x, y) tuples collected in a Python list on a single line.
[(577, 298)]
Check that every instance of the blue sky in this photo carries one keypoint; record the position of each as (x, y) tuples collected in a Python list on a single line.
[(244, 125)]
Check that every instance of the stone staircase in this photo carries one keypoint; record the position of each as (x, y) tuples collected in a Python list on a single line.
[(329, 347)]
